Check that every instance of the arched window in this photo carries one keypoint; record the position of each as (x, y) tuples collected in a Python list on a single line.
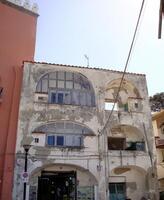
[(67, 88), (63, 134)]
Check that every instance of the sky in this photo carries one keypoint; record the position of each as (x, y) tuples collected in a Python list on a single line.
[(103, 30)]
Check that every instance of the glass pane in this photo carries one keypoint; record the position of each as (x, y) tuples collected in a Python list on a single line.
[(38, 88), (51, 140), (69, 84), (69, 76), (67, 99), (52, 75), (69, 140), (60, 98), (52, 83), (112, 188), (61, 75), (45, 77), (77, 86), (75, 98), (77, 141), (89, 99), (82, 99), (120, 188), (93, 99), (60, 140), (53, 97), (60, 84), (44, 85), (77, 81)]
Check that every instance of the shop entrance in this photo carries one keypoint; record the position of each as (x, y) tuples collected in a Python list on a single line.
[(57, 186)]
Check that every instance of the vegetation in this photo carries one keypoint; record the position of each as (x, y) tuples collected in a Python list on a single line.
[(157, 102)]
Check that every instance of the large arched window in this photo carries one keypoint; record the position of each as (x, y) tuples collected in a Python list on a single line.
[(67, 88), (63, 134)]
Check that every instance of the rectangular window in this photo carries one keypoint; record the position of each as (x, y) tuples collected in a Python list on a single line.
[(82, 98), (60, 141), (60, 99), (69, 76), (67, 98), (53, 97), (75, 98), (51, 140), (52, 83), (61, 84), (89, 99), (69, 84), (44, 85), (61, 75), (109, 106)]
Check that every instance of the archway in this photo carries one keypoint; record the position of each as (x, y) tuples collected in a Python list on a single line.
[(62, 181), (129, 182)]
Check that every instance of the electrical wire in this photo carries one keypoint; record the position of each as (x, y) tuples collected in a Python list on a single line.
[(125, 68)]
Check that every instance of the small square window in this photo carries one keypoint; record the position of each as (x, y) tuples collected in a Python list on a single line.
[(36, 140), (60, 141)]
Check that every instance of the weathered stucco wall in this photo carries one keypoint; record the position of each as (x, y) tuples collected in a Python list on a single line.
[(93, 160)]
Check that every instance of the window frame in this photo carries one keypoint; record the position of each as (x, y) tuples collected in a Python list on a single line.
[(55, 136), (85, 89)]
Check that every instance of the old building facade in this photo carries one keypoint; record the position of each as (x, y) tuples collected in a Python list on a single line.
[(79, 150)]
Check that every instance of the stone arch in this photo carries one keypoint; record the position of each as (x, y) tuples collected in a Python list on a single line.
[(127, 87), (129, 98), (64, 166), (126, 137), (60, 125), (134, 178), (124, 130)]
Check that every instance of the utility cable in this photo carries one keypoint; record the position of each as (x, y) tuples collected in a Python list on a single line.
[(125, 68)]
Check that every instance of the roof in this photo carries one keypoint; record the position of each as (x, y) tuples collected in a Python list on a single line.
[(95, 68), (18, 7)]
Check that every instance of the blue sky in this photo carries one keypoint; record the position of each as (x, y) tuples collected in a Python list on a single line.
[(102, 29)]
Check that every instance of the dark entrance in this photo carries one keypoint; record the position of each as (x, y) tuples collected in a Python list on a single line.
[(117, 191), (57, 186)]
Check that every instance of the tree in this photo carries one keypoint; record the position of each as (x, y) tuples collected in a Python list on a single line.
[(157, 102)]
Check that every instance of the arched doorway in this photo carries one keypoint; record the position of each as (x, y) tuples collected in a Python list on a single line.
[(128, 182), (62, 182)]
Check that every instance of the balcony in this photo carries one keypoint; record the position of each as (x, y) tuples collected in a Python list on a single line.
[(159, 143)]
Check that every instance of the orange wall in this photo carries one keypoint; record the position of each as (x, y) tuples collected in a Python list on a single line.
[(17, 43)]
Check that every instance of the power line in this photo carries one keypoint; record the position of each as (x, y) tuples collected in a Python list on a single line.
[(125, 68)]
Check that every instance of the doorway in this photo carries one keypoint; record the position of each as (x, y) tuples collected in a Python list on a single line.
[(117, 191), (57, 186)]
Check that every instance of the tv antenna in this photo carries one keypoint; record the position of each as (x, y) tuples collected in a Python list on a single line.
[(87, 58)]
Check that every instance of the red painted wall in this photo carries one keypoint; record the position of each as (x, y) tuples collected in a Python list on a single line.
[(17, 43)]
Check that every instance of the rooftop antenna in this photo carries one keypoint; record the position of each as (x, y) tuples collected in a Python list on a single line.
[(87, 58)]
